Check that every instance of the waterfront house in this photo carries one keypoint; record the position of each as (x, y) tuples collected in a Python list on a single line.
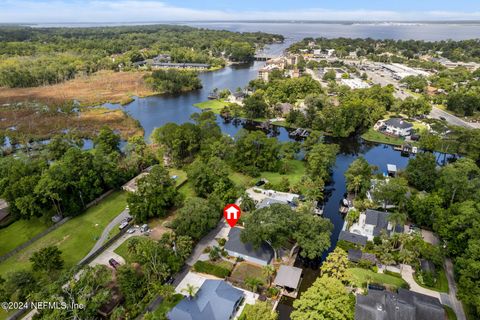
[(406, 305), (235, 247), (356, 255), (371, 223), (284, 108), (237, 97), (353, 238), (180, 65), (215, 300), (398, 127)]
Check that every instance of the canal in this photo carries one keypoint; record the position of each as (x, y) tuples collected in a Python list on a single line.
[(156, 111)]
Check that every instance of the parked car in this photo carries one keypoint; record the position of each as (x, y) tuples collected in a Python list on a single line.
[(123, 225), (113, 263), (131, 230), (129, 218), (144, 228), (443, 118)]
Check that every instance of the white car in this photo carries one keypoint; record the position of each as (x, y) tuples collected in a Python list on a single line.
[(123, 225), (131, 230)]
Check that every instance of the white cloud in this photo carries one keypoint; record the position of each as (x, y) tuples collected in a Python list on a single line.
[(150, 10)]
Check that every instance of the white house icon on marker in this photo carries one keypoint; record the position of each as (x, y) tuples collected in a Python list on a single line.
[(231, 211)]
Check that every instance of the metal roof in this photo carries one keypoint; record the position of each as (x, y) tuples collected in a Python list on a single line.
[(288, 276)]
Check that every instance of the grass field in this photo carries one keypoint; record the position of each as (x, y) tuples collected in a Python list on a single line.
[(362, 276), (18, 233), (100, 87), (297, 171), (441, 285), (375, 136), (181, 175), (76, 237), (244, 270), (214, 105)]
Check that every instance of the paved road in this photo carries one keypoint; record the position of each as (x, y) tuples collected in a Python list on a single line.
[(205, 242), (113, 224), (451, 119), (456, 305)]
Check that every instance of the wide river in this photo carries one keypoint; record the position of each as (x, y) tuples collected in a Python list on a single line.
[(156, 111)]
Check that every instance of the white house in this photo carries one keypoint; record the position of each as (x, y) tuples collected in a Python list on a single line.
[(398, 127), (372, 222)]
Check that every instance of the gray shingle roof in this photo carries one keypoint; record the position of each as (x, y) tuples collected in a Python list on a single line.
[(356, 255), (398, 123), (379, 220), (406, 305), (235, 244), (215, 300), (353, 238), (288, 276)]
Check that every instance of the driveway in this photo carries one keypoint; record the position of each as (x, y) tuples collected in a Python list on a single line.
[(109, 253), (104, 237), (407, 275), (455, 304), (204, 243)]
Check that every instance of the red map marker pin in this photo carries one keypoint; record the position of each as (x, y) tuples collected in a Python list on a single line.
[(232, 213)]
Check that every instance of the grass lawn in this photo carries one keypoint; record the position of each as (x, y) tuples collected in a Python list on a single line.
[(181, 175), (441, 285), (362, 276), (166, 306), (187, 190), (18, 233), (297, 170), (450, 313), (214, 105), (76, 237), (244, 270), (122, 250), (375, 136)]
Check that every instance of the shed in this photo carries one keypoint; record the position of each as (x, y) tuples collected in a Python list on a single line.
[(392, 170), (288, 277)]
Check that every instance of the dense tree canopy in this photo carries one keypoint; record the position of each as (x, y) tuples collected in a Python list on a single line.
[(156, 194), (326, 299)]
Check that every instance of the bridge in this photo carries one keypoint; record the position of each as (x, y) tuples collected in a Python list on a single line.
[(263, 58)]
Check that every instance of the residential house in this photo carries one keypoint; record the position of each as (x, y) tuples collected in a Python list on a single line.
[(171, 65), (237, 97), (356, 255), (371, 223), (215, 300), (353, 238), (235, 247), (406, 305), (398, 127), (284, 108)]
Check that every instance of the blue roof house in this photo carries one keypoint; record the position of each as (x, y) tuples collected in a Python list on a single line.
[(215, 300)]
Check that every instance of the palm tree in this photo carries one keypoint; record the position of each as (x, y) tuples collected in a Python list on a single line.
[(397, 218), (357, 182), (190, 290), (253, 283), (268, 271)]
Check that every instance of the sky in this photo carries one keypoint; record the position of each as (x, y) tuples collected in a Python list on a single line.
[(54, 11)]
